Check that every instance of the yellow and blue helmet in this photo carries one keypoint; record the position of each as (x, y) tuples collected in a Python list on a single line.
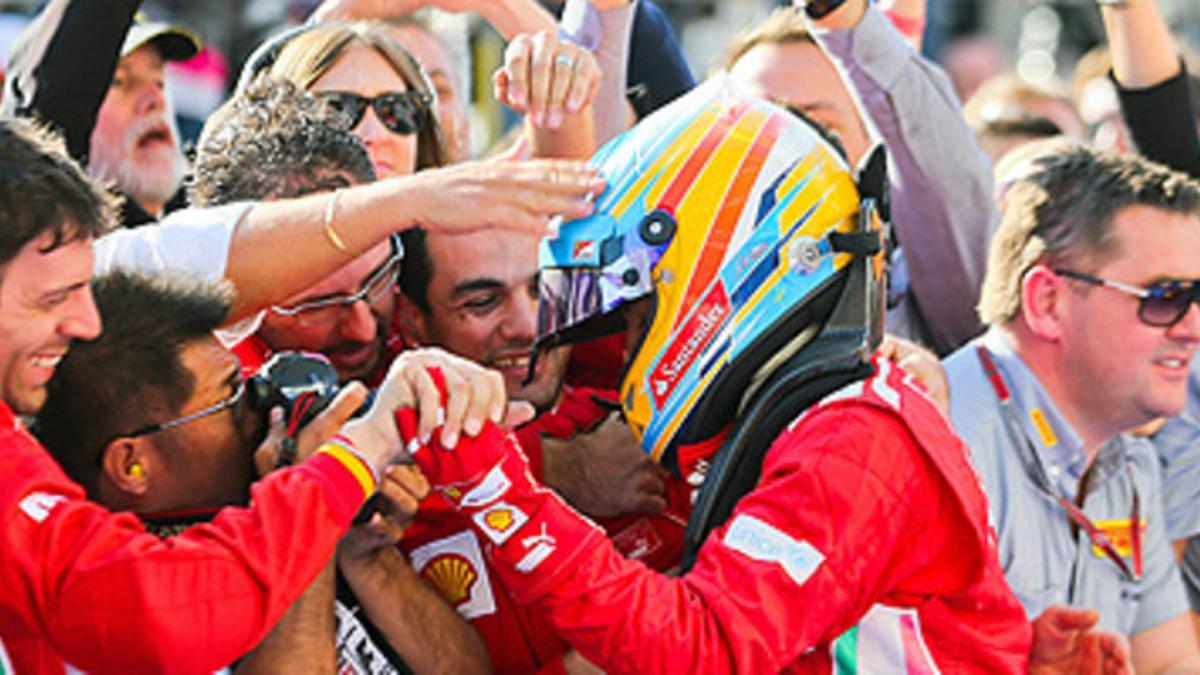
[(741, 223)]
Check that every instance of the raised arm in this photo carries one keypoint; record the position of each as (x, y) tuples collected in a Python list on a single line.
[(1152, 85), (63, 72), (941, 181)]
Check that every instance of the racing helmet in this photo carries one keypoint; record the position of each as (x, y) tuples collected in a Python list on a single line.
[(739, 223)]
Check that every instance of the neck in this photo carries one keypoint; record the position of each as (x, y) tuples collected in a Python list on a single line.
[(154, 208), (1045, 358)]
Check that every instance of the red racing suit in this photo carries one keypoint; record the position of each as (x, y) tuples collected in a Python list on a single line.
[(866, 541), (442, 548), (82, 585)]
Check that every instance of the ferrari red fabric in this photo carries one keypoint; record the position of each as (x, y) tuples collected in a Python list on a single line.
[(82, 585), (868, 520), (446, 552)]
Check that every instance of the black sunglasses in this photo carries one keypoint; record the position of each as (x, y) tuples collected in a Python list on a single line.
[(1162, 305), (402, 112)]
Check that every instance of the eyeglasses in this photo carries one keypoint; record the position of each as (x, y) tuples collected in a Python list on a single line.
[(402, 112), (234, 399), (329, 310), (1162, 305)]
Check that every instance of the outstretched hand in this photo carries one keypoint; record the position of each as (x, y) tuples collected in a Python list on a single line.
[(1065, 641)]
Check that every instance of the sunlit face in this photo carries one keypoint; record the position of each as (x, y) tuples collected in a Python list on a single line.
[(355, 340), (365, 72), (800, 75), (135, 145), (451, 104), (1115, 363), (207, 462), (483, 305), (45, 303)]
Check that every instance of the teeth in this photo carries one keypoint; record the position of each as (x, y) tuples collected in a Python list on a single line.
[(1172, 363), (47, 361), (514, 362)]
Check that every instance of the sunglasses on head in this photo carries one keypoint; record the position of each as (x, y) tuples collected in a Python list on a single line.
[(1163, 304), (402, 112)]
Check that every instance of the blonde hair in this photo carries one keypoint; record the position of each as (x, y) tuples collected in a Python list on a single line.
[(311, 53)]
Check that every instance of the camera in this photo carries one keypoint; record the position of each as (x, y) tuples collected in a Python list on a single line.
[(301, 383)]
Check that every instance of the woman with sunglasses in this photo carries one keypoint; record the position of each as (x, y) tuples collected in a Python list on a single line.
[(376, 85)]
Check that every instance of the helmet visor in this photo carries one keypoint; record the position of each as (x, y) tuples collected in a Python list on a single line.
[(567, 298)]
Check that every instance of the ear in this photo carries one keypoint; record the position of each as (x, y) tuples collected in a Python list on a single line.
[(412, 321), (1043, 298), (128, 464)]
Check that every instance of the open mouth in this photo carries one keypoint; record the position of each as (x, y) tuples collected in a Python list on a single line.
[(159, 134)]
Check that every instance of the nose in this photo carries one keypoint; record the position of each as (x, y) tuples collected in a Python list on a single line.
[(1188, 328), (358, 322), (82, 320), (520, 324), (150, 96), (369, 128)]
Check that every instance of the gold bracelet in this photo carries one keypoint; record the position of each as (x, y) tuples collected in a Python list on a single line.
[(330, 233)]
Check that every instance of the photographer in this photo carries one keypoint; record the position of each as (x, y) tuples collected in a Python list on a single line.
[(91, 588), (158, 360)]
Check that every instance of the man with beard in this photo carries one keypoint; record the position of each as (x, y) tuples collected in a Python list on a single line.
[(122, 129)]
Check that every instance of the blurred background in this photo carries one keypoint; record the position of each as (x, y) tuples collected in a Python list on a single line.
[(1040, 39)]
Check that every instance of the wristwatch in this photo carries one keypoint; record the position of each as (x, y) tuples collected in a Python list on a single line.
[(816, 9)]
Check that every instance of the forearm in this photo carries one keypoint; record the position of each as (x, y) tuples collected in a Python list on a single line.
[(280, 248), (941, 182), (64, 73), (426, 632), (303, 640), (1143, 51), (613, 28)]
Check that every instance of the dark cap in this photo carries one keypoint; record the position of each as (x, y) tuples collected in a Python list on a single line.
[(174, 43)]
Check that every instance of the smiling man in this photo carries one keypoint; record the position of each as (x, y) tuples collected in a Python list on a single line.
[(1089, 293)]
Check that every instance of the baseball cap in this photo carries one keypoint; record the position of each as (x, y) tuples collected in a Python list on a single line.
[(174, 43)]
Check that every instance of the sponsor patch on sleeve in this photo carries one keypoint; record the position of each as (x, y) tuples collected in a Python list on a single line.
[(762, 541), (39, 505)]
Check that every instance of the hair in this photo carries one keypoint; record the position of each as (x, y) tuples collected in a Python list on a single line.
[(309, 54), (1061, 212), (1022, 126), (783, 27), (417, 270), (132, 374), (1006, 96), (42, 190), (274, 141)]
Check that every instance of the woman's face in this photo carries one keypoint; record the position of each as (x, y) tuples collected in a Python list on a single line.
[(363, 71)]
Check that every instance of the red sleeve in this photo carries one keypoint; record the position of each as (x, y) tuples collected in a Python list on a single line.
[(826, 534), (109, 596)]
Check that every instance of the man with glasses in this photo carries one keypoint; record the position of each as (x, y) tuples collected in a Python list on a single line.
[(1088, 295), (272, 142)]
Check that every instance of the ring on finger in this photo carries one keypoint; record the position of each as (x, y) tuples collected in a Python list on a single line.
[(565, 60)]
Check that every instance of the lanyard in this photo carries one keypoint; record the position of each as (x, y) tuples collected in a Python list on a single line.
[(1037, 473)]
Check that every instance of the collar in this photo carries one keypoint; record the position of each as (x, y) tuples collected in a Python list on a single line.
[(1059, 447)]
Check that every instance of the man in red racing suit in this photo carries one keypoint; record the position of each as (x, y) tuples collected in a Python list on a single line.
[(866, 541), (107, 596)]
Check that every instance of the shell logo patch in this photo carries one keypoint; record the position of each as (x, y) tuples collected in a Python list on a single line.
[(452, 576), (455, 568), (499, 521)]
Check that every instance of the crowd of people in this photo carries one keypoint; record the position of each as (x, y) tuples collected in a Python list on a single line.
[(808, 367)]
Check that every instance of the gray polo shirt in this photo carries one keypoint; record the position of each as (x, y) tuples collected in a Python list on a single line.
[(1042, 561), (1178, 446)]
